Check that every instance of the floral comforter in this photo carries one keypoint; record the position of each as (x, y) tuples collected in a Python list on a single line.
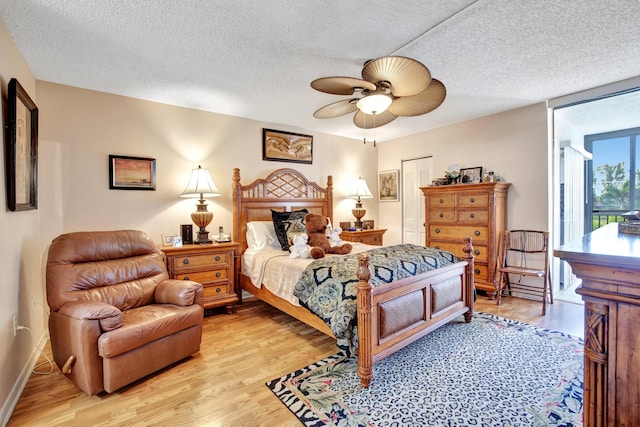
[(327, 286)]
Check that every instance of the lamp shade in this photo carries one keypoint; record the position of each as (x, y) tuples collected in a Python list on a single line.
[(374, 104), (359, 189), (200, 185)]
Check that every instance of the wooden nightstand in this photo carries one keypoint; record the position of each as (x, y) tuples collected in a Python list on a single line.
[(369, 237), (212, 265)]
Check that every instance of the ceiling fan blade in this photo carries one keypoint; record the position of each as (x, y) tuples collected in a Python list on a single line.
[(368, 121), (336, 109), (406, 76), (341, 85), (427, 100)]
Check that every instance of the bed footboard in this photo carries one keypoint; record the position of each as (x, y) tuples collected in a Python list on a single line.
[(394, 315)]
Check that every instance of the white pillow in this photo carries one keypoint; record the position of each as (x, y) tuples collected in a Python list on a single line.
[(261, 234)]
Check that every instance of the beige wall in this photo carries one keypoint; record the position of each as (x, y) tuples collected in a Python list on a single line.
[(82, 127), (21, 260), (513, 144)]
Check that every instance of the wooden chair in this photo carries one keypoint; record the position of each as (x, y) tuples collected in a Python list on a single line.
[(522, 253)]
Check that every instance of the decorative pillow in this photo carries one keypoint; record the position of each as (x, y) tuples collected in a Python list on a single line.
[(261, 234), (294, 227), (280, 226)]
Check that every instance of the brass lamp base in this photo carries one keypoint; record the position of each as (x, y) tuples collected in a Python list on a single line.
[(358, 212), (202, 218)]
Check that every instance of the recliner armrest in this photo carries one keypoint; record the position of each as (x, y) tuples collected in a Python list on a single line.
[(110, 317), (178, 292)]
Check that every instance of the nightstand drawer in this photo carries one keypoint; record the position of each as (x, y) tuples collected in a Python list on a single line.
[(204, 276), (205, 260), (369, 240), (215, 290)]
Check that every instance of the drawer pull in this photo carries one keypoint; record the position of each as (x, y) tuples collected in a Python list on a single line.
[(361, 240), (217, 274), (217, 257), (476, 252), (476, 271), (218, 290), (472, 200), (441, 215), (477, 233), (185, 261), (185, 278), (472, 215), (436, 247), (437, 231), (375, 239), (441, 200)]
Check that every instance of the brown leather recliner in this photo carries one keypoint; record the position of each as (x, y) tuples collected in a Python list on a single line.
[(115, 314)]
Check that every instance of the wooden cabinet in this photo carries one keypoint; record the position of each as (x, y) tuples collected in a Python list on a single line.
[(479, 211), (608, 262), (369, 237), (212, 265)]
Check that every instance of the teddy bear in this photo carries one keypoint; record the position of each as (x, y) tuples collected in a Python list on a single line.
[(299, 248), (316, 228)]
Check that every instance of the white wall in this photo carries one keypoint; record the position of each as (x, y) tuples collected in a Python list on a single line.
[(513, 144)]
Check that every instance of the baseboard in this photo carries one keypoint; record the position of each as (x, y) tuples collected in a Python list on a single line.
[(21, 382)]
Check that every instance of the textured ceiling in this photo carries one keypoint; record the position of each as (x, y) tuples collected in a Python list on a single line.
[(255, 59)]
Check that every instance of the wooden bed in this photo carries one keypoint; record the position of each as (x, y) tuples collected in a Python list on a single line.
[(390, 316)]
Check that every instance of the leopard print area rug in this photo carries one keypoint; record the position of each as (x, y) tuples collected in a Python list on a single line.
[(490, 372)]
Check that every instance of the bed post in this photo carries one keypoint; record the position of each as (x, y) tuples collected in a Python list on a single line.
[(467, 248), (236, 195), (365, 308)]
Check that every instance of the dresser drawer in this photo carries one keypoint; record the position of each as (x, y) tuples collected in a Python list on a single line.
[(204, 276), (444, 200), (442, 215), (473, 200), (481, 273), (473, 216), (458, 232), (479, 251), (213, 291)]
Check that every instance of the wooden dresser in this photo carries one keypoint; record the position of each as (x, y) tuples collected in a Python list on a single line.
[(479, 211), (369, 237), (608, 263), (212, 265)]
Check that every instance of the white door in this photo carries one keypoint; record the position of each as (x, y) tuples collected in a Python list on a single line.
[(416, 173)]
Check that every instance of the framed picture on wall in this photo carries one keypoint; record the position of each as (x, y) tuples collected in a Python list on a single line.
[(132, 173), (388, 185), (284, 146), (21, 150)]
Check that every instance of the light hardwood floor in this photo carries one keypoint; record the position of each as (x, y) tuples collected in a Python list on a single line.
[(224, 384)]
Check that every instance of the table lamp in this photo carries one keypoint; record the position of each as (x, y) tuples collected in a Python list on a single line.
[(201, 185), (359, 189)]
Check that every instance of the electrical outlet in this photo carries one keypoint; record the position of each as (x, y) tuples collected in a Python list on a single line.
[(15, 325)]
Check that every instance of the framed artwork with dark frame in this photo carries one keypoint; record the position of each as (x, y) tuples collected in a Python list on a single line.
[(132, 173), (281, 146), (388, 186), (21, 163), (474, 175)]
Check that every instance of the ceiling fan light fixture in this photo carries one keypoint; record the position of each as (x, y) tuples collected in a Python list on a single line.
[(374, 103)]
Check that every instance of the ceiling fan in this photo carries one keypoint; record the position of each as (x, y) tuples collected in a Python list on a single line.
[(391, 86)]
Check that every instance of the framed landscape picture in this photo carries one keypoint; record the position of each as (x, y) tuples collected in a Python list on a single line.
[(132, 173), (284, 146), (388, 186)]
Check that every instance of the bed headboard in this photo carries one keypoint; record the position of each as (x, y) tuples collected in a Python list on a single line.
[(282, 190)]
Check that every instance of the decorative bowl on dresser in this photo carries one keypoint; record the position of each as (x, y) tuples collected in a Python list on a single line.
[(370, 237), (479, 211), (212, 265)]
